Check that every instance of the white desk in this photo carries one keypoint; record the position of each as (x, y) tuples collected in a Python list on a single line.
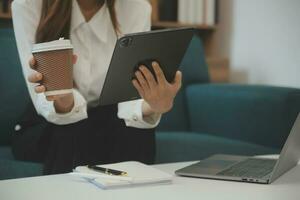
[(67, 187)]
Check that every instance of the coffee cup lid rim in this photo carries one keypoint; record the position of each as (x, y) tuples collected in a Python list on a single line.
[(51, 46)]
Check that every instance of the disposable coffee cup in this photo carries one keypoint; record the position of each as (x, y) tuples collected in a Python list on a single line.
[(54, 60)]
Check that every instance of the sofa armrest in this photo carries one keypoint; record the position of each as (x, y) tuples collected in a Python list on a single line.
[(262, 115)]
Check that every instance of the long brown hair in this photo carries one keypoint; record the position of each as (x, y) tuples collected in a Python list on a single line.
[(55, 19)]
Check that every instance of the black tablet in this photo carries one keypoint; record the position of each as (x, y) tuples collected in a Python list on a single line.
[(167, 47)]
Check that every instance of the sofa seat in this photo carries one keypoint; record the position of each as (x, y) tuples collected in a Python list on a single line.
[(189, 146), (10, 168), (16, 169), (5, 153)]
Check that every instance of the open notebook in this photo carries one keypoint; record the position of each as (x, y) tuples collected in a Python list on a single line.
[(138, 174)]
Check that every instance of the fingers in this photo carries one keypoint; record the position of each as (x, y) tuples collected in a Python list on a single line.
[(39, 89), (148, 76), (142, 81), (50, 98), (74, 59), (35, 77), (138, 88), (57, 97), (32, 62), (159, 73)]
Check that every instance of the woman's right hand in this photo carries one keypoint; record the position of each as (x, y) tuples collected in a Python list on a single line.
[(62, 103)]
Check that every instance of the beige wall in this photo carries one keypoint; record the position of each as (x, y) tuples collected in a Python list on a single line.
[(262, 40)]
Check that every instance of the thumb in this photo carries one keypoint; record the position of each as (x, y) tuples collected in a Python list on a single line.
[(74, 59), (178, 80), (32, 62)]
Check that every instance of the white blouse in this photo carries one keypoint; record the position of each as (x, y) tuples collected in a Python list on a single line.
[(93, 43)]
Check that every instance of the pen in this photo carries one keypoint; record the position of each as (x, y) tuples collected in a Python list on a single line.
[(107, 170)]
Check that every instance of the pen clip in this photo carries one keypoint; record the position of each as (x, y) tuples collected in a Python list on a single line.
[(108, 171)]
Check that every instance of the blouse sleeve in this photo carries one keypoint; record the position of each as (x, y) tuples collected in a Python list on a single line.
[(26, 16), (131, 111)]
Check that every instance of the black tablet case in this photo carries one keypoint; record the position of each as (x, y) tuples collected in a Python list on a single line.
[(165, 46)]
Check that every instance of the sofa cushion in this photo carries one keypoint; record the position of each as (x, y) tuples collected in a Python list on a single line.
[(17, 169), (194, 70), (6, 153), (256, 114), (177, 118), (193, 65), (7, 33), (183, 146), (14, 94)]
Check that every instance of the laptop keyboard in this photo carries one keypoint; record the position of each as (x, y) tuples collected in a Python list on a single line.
[(250, 168)]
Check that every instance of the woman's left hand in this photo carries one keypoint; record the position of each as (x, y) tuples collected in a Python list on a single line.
[(159, 94)]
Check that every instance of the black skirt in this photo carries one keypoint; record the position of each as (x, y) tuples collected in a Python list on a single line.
[(101, 138)]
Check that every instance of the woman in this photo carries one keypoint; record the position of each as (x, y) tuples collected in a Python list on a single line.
[(78, 131)]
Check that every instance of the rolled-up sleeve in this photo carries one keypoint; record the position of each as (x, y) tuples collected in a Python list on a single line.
[(47, 110), (25, 21), (131, 112)]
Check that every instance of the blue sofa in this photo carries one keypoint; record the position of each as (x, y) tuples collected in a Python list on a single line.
[(223, 118), (206, 119), (13, 101)]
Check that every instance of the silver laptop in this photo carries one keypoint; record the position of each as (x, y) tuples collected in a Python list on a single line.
[(249, 169)]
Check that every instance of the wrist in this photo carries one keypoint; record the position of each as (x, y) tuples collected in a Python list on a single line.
[(64, 104), (146, 109)]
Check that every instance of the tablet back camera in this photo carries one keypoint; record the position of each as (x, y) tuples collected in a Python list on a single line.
[(125, 42)]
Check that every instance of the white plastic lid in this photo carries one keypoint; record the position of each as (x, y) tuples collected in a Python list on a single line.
[(53, 45)]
